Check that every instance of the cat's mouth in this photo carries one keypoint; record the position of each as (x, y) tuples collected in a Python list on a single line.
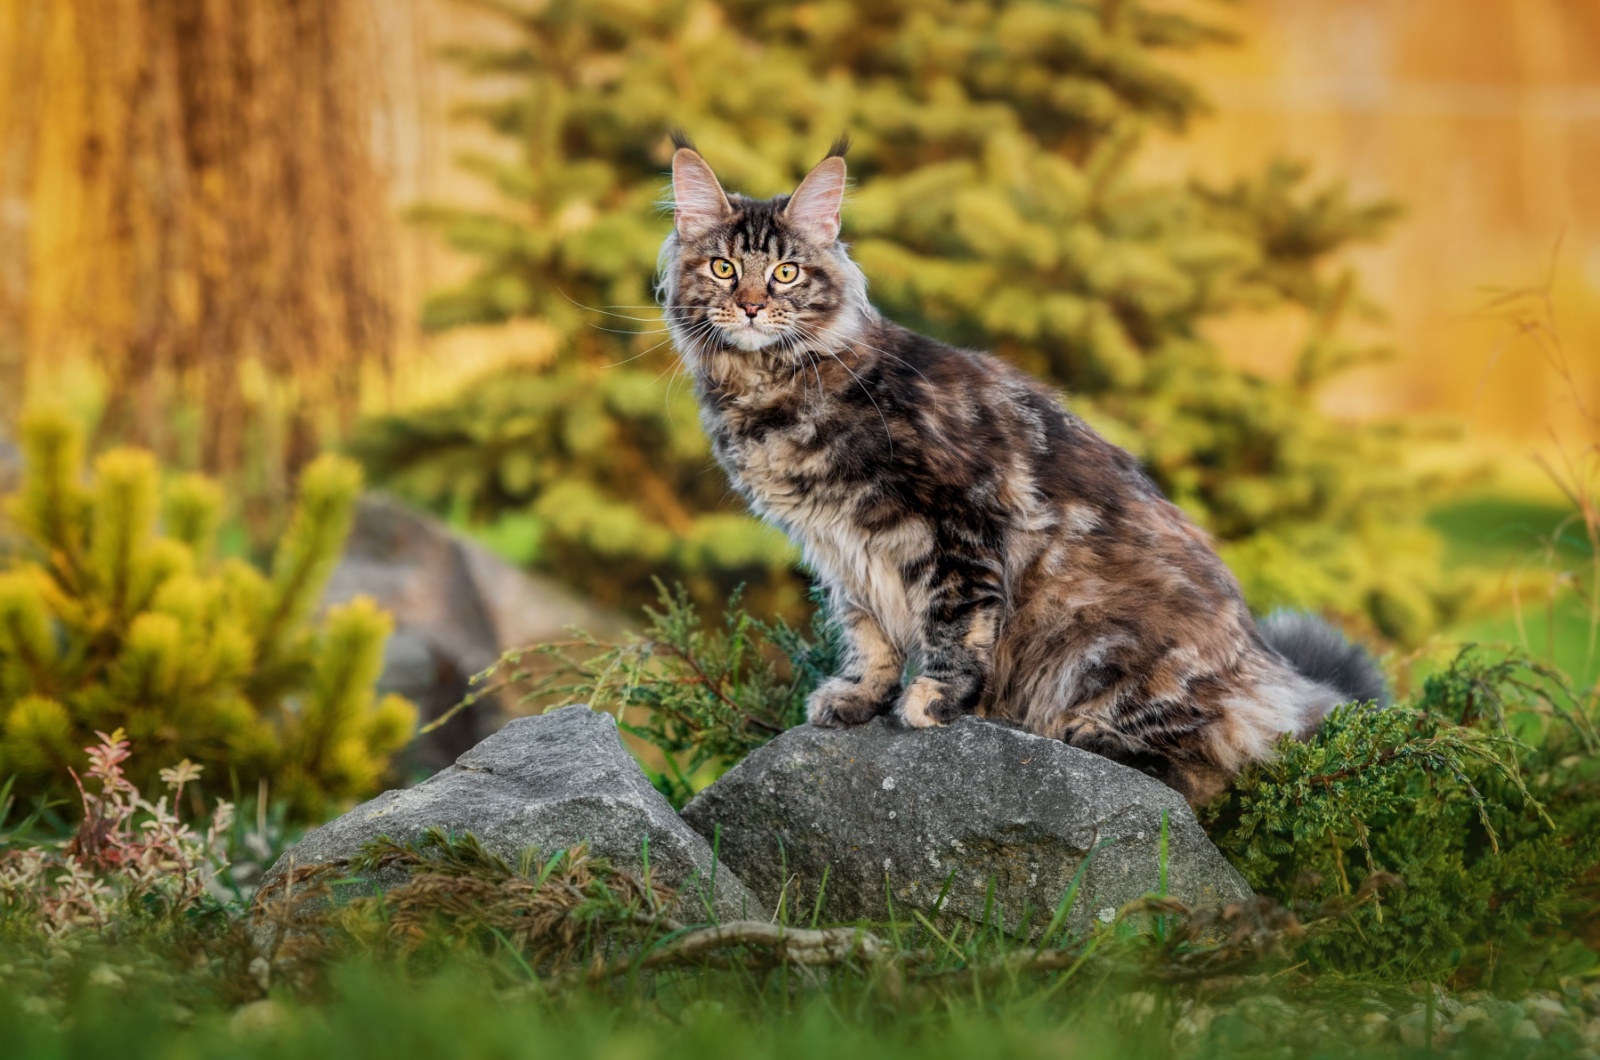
[(750, 334)]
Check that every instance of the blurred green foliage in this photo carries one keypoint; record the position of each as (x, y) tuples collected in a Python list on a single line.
[(614, 471), (108, 622), (373, 1009), (999, 207)]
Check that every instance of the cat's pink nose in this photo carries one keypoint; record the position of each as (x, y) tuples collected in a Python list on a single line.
[(752, 308)]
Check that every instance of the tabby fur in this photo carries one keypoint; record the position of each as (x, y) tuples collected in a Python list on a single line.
[(969, 530)]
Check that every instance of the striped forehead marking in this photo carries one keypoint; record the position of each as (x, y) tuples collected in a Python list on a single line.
[(756, 229)]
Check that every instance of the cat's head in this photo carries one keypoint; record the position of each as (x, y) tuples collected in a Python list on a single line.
[(743, 274)]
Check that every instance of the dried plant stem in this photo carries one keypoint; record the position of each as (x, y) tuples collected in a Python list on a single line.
[(782, 945), (1530, 314)]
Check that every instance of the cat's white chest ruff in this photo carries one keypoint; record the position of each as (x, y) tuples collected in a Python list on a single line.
[(869, 568), (865, 567)]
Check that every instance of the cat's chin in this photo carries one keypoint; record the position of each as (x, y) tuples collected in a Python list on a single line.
[(749, 339)]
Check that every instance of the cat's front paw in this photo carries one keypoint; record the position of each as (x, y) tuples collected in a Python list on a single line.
[(839, 703), (926, 703)]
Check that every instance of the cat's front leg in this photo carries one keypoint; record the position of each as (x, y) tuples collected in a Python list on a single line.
[(958, 657), (869, 675)]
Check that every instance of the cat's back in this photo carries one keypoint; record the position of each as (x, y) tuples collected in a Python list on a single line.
[(979, 412)]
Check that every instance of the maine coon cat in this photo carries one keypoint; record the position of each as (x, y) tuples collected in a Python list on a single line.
[(961, 519)]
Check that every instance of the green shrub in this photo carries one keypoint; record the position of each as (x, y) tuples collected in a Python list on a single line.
[(109, 622), (1481, 794), (704, 698), (1000, 207)]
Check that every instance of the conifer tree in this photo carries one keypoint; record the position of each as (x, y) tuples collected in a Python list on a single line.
[(116, 615), (998, 208)]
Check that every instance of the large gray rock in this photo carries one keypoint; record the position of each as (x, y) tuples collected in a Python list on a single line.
[(972, 802), (456, 608), (549, 782)]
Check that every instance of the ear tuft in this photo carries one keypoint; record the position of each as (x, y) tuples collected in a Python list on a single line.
[(697, 197), (814, 206)]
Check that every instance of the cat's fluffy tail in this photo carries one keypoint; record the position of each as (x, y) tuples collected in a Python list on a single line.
[(1323, 654)]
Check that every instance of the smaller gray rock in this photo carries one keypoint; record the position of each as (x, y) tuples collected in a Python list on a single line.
[(892, 811), (548, 782), (456, 608)]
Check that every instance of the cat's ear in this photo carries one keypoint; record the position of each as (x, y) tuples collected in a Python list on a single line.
[(814, 206), (697, 197)]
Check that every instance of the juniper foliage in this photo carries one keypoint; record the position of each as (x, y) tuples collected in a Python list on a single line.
[(996, 146), (550, 910), (704, 697), (1479, 794), (117, 614)]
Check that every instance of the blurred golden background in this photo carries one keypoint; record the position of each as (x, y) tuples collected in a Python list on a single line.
[(239, 234), (1481, 117)]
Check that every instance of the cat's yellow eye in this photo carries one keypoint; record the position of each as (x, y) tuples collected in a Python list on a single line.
[(788, 272), (722, 268)]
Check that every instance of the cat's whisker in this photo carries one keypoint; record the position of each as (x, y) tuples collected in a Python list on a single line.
[(692, 337), (786, 343), (622, 316), (642, 353), (677, 370), (607, 312), (809, 360), (673, 368), (809, 356), (796, 366), (794, 343), (629, 331), (875, 349)]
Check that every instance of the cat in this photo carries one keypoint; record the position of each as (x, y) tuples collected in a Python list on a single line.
[(962, 520)]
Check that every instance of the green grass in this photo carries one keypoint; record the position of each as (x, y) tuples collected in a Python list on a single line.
[(1498, 531), (376, 1012), (1510, 541)]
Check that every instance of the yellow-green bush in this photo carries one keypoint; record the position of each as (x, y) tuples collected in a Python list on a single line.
[(115, 613)]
